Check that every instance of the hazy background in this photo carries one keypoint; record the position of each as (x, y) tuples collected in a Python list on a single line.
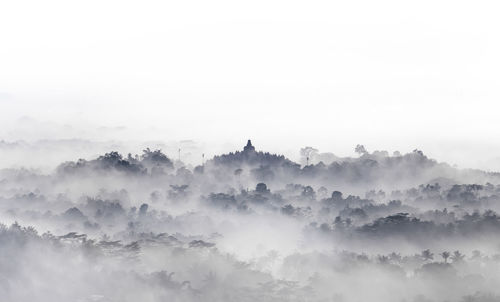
[(330, 74)]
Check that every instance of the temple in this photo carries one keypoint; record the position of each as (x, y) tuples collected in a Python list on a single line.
[(249, 148), (252, 157)]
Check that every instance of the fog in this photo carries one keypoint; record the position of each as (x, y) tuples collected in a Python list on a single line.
[(249, 225), (249, 151), (390, 75)]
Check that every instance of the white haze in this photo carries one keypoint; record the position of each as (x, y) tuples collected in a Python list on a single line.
[(123, 176), (147, 228), (329, 74)]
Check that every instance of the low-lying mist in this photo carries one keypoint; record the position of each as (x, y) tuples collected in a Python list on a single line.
[(247, 226)]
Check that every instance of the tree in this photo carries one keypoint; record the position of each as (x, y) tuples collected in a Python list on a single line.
[(308, 192), (156, 157), (427, 255), (143, 209), (307, 153), (360, 149), (238, 172), (457, 256), (382, 259), (445, 256), (337, 195), (395, 257), (262, 188)]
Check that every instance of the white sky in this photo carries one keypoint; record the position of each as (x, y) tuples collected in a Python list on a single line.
[(330, 74)]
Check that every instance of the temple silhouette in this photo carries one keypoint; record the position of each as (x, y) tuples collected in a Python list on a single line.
[(249, 147), (250, 156)]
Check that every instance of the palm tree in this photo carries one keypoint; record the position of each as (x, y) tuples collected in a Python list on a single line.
[(445, 256)]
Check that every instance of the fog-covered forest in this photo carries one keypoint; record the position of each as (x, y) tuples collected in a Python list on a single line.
[(250, 226), (249, 151)]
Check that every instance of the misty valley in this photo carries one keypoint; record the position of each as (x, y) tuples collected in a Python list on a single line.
[(250, 226)]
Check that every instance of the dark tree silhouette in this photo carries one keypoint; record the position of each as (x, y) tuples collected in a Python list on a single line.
[(445, 256)]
